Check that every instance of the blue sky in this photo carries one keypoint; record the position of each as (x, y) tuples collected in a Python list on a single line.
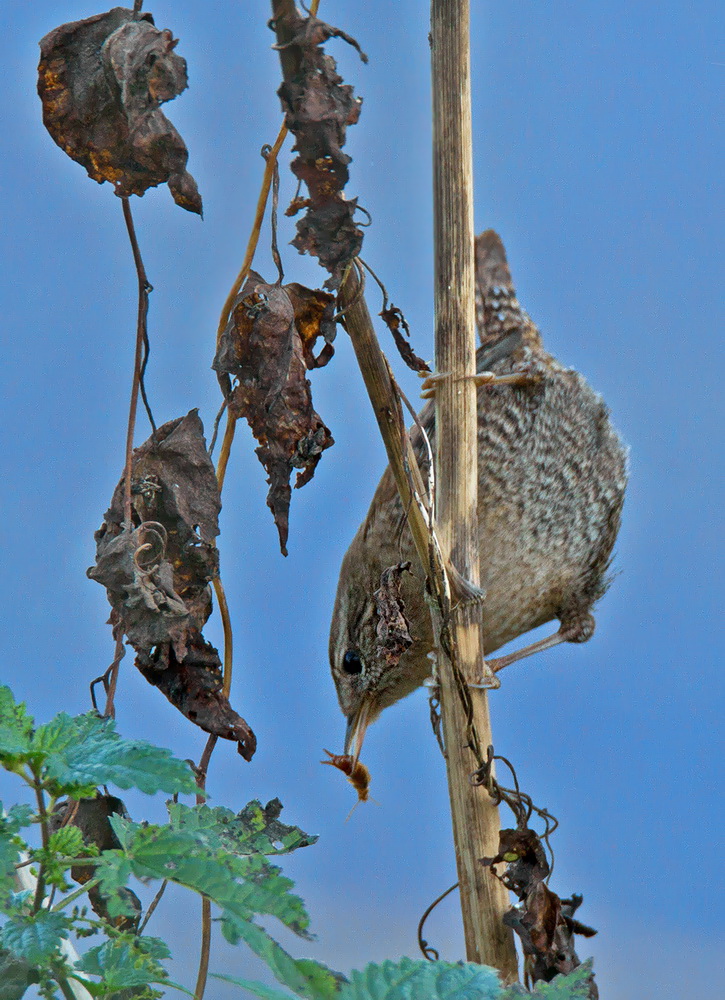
[(596, 154)]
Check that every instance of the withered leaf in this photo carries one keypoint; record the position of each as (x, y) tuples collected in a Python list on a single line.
[(318, 108), (193, 684), (543, 922), (157, 574), (393, 628), (101, 82), (394, 320), (314, 317), (267, 347), (92, 816)]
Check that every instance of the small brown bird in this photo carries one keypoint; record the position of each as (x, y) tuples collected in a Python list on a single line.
[(551, 481)]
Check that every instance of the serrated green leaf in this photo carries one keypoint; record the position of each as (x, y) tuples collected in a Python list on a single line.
[(324, 982), (84, 751), (127, 961), (67, 841), (260, 990), (183, 857), (113, 872), (15, 729), (16, 976), (422, 980), (35, 938), (255, 830), (11, 844), (575, 986), (304, 977)]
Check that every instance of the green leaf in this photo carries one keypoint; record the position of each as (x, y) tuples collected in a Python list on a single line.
[(575, 986), (16, 976), (113, 872), (255, 830), (182, 856), (67, 841), (35, 938), (252, 986), (304, 977), (422, 980), (11, 844), (15, 729), (127, 961), (83, 752)]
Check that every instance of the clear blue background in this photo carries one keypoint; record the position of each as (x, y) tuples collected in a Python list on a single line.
[(597, 160)]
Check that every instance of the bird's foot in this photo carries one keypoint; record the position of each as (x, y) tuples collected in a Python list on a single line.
[(524, 376), (581, 631)]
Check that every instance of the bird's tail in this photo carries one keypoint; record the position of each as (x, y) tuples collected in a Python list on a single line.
[(498, 313)]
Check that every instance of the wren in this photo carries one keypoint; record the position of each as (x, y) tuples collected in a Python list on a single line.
[(552, 472)]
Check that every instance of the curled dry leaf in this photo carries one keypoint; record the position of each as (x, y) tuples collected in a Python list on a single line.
[(318, 108), (398, 326), (101, 82), (393, 628), (92, 817), (544, 923), (267, 347), (157, 574), (193, 684)]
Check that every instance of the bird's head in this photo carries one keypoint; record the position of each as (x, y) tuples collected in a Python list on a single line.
[(366, 680)]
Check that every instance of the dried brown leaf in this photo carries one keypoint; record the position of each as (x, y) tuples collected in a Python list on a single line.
[(193, 684), (318, 108), (157, 575), (267, 347), (101, 82), (394, 320), (92, 817), (393, 628), (543, 922)]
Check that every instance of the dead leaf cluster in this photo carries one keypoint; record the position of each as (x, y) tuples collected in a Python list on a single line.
[(544, 923), (101, 82), (318, 108), (157, 573), (267, 348)]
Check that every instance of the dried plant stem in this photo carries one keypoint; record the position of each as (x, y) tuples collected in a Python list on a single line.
[(45, 838), (109, 711), (203, 972), (205, 949), (152, 906), (221, 468), (270, 164), (228, 637), (464, 710), (141, 339)]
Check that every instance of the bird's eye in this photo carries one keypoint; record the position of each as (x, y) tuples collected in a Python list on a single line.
[(351, 662)]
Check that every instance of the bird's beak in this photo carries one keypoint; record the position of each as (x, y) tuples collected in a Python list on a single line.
[(357, 724)]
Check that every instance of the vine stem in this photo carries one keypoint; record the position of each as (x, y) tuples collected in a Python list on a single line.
[(271, 162), (45, 837), (86, 887), (203, 972), (109, 711), (225, 450), (141, 339), (228, 637)]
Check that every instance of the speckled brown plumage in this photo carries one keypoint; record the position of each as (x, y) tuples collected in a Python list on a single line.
[(552, 475)]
